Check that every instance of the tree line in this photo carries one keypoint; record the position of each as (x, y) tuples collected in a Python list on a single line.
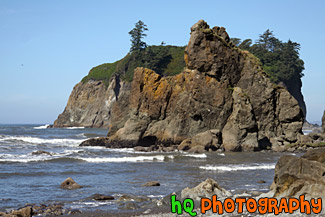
[(280, 60)]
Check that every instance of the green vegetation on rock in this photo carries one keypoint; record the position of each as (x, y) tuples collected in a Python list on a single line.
[(165, 60), (280, 60)]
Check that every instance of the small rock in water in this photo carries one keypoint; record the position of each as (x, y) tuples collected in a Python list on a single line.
[(70, 184), (125, 197), (261, 181), (40, 152), (153, 183), (102, 197)]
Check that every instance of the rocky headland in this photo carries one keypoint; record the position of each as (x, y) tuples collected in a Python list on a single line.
[(222, 100)]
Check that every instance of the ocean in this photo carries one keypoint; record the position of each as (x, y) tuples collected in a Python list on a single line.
[(29, 178)]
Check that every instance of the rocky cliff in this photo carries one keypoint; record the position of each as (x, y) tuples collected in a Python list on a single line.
[(223, 93), (89, 104)]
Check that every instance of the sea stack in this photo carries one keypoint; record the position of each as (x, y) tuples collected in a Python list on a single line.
[(222, 89)]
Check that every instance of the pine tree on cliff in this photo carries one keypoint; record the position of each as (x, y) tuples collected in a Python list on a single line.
[(137, 34)]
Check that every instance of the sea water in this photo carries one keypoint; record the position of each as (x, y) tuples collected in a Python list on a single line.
[(28, 178)]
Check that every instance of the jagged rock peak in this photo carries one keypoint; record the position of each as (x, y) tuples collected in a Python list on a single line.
[(202, 26)]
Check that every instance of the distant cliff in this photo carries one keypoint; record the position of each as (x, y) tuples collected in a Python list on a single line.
[(222, 94), (222, 88)]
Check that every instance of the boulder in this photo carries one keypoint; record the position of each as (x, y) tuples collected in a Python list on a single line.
[(295, 176), (206, 189), (205, 141), (70, 184), (185, 145), (102, 141), (197, 149), (23, 212), (152, 183)]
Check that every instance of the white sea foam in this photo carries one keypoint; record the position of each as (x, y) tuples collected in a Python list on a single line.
[(155, 196), (42, 127), (81, 135), (127, 159), (196, 155), (123, 150), (73, 128), (238, 167), (25, 158), (36, 140), (78, 205)]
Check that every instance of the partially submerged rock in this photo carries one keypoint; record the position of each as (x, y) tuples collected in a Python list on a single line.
[(102, 197), (40, 152), (70, 184), (152, 183)]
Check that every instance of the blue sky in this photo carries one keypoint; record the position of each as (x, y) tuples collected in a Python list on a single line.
[(46, 47)]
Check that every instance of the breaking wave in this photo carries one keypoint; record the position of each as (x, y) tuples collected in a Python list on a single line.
[(42, 127), (239, 167), (37, 140), (127, 159)]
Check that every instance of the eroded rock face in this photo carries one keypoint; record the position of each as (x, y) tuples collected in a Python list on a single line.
[(222, 89), (90, 103), (296, 176), (240, 131)]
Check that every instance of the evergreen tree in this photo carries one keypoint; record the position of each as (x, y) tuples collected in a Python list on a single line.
[(137, 34), (235, 41), (280, 60)]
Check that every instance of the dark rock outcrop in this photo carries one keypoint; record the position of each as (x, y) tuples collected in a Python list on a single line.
[(222, 89), (101, 197)]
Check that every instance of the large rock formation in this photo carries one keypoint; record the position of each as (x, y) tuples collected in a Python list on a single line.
[(89, 104), (222, 89)]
